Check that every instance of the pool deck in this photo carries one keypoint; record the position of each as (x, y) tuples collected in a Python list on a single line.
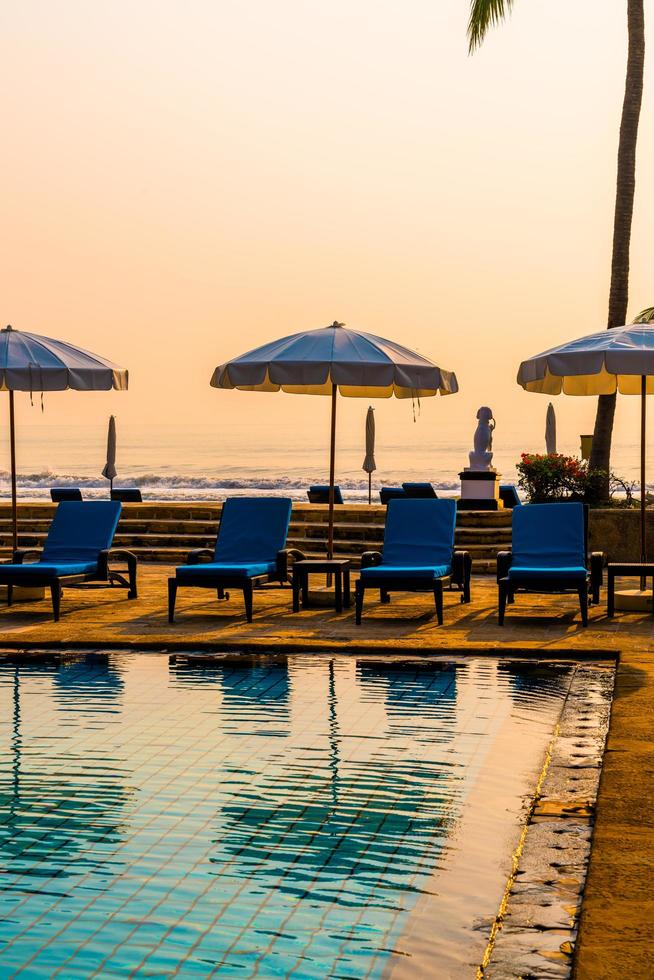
[(617, 925)]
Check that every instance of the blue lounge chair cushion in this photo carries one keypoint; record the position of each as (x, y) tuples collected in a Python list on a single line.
[(216, 570), (509, 495), (322, 491), (419, 533), (571, 573), (419, 490), (389, 493), (252, 530), (549, 536), (45, 569), (380, 573), (79, 531)]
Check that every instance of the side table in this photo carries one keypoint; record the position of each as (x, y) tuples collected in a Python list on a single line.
[(634, 569), (338, 567)]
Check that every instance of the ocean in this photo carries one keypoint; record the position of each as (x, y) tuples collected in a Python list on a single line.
[(210, 462)]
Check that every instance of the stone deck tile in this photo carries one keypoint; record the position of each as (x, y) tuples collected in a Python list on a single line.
[(105, 617)]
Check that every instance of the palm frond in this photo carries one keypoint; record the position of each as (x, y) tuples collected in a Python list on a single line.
[(645, 316), (485, 14)]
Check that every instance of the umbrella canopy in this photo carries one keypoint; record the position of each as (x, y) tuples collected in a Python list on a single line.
[(109, 472), (369, 465), (598, 364), (359, 364), (335, 359), (620, 359), (550, 429), (29, 362)]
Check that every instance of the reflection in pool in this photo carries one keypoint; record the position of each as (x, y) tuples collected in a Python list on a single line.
[(278, 817)]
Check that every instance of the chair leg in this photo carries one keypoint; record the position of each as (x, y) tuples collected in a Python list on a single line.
[(502, 595), (359, 592), (10, 594), (131, 569), (438, 599), (55, 592), (247, 598), (583, 604), (295, 585), (384, 595), (172, 596), (467, 574), (610, 595), (220, 592)]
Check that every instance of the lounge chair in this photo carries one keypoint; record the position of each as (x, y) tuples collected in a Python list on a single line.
[(57, 494), (549, 554), (419, 490), (418, 554), (77, 549), (319, 494), (391, 493), (509, 496), (127, 495), (249, 551)]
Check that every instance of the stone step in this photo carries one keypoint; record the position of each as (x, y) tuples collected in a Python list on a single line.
[(484, 518)]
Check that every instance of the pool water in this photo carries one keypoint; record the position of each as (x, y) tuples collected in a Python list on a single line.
[(301, 816)]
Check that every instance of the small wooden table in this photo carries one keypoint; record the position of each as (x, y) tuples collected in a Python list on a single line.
[(628, 569), (338, 567)]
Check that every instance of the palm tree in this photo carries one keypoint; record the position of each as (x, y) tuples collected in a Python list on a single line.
[(486, 13)]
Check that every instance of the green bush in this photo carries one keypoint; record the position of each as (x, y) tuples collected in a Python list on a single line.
[(555, 477)]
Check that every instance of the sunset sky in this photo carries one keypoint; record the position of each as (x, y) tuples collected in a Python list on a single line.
[(185, 180)]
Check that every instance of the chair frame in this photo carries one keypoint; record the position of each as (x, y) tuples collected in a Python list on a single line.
[(220, 582), (460, 576), (113, 577), (588, 591)]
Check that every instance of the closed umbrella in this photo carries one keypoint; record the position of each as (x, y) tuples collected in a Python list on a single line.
[(31, 363), (550, 430), (369, 465), (333, 359), (109, 471), (620, 359)]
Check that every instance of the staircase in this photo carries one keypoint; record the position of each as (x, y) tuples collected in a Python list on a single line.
[(166, 532)]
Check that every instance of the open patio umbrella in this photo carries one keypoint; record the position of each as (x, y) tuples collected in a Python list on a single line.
[(32, 363), (109, 471), (620, 359), (550, 430), (333, 359), (369, 465)]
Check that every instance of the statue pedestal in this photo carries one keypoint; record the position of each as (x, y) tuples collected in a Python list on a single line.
[(480, 490)]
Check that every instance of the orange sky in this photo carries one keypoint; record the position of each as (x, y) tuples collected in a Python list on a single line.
[(185, 180)]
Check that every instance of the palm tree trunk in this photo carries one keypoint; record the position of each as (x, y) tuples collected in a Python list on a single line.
[(624, 207)]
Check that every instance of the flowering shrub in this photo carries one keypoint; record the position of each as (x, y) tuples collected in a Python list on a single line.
[(557, 477)]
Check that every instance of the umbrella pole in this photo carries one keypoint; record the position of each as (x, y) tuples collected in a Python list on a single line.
[(369, 488), (332, 466), (643, 421), (12, 449)]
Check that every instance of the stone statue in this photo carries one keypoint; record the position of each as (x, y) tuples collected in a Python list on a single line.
[(482, 457)]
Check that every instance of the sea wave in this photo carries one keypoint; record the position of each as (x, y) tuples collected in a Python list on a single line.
[(171, 486)]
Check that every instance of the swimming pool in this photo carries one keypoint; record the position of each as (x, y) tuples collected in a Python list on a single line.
[(304, 816)]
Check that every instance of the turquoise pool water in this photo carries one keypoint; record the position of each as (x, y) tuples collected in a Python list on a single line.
[(299, 817)]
